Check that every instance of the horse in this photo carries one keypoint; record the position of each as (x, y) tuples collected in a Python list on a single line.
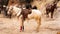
[(12, 3), (27, 14), (13, 11), (50, 8)]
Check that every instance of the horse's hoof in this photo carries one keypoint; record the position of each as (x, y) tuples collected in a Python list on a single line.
[(52, 19)]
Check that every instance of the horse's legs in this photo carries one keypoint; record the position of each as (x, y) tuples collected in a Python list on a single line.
[(9, 15), (47, 13), (39, 23), (52, 14)]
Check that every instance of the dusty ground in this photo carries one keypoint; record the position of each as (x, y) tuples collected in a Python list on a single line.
[(48, 26)]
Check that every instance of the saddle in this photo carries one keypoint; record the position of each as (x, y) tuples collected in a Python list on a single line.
[(25, 13)]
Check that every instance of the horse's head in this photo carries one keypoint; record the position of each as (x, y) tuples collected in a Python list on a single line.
[(14, 10), (10, 10)]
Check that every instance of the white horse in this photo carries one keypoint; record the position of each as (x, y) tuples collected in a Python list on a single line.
[(14, 10), (36, 14)]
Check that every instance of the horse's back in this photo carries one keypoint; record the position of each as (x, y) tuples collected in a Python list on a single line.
[(35, 14), (15, 10), (38, 12)]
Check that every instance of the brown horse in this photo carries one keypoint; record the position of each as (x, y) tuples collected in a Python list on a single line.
[(51, 7)]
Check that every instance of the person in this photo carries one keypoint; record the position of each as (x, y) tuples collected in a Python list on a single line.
[(24, 14), (1, 6), (5, 3)]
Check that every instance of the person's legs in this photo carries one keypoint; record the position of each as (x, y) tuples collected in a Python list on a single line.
[(5, 11), (22, 24), (0, 10)]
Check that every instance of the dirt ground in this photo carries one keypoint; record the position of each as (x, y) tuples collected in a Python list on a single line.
[(48, 25)]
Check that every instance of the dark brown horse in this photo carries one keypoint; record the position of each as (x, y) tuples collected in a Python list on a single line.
[(51, 7)]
